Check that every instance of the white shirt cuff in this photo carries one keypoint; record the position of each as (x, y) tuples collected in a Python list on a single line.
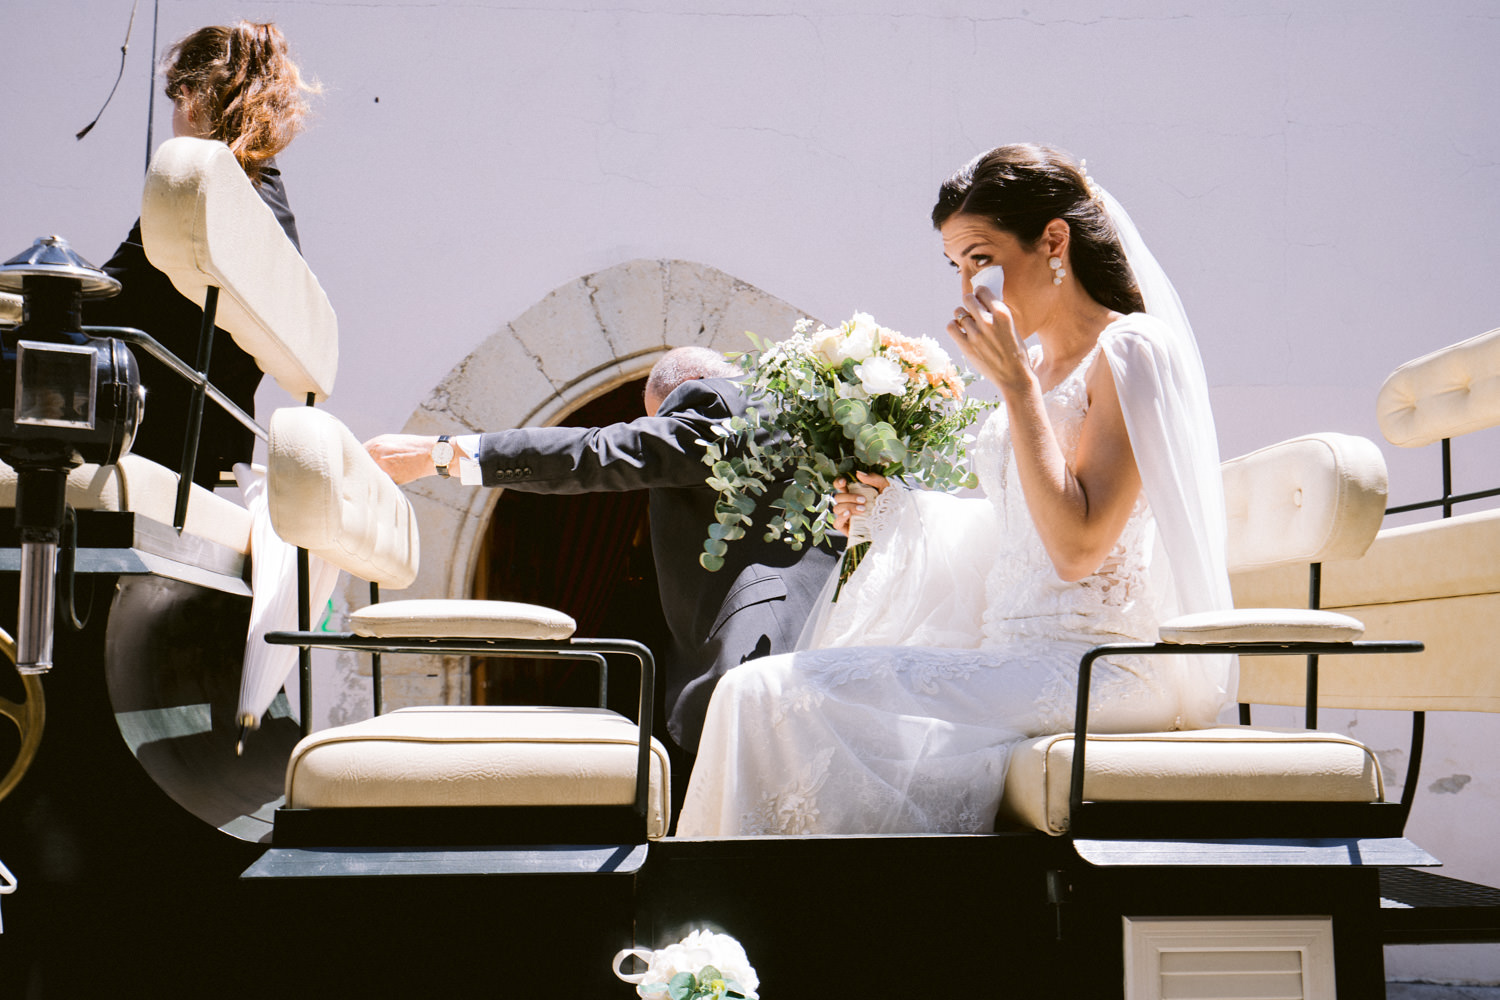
[(468, 463)]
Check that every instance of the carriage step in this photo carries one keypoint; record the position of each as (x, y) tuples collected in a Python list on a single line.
[(1362, 852), (365, 862), (1424, 908)]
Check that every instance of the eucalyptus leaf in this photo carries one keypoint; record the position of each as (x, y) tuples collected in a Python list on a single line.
[(682, 986), (851, 414)]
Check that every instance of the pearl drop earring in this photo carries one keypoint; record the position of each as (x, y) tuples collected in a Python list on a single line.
[(1057, 270)]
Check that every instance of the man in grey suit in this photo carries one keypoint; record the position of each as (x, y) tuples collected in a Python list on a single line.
[(755, 605)]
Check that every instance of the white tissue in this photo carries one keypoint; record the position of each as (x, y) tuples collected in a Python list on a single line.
[(992, 278)]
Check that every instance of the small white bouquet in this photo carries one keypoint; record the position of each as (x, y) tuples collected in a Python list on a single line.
[(702, 966), (854, 397)]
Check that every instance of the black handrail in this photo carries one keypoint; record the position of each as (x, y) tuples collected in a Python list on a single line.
[(1086, 667)]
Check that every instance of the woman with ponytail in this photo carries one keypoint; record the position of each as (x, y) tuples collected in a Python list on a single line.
[(237, 84)]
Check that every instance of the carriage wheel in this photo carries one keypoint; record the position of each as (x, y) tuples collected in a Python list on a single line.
[(29, 717)]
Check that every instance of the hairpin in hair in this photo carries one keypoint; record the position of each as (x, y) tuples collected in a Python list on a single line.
[(1095, 191)]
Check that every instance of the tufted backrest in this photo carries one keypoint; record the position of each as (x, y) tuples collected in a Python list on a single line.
[(1310, 499), (1443, 394), (202, 224), (327, 495)]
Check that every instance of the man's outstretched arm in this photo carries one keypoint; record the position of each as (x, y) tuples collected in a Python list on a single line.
[(639, 454)]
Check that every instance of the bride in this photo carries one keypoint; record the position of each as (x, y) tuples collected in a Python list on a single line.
[(960, 632)]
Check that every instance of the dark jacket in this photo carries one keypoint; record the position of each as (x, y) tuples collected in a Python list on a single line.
[(753, 606), (148, 301)]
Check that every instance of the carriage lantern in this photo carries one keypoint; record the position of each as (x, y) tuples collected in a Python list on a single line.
[(65, 398)]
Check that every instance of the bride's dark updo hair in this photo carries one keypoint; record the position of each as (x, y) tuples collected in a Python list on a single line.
[(1021, 188)]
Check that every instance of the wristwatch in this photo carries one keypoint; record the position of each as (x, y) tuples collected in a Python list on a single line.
[(442, 454)]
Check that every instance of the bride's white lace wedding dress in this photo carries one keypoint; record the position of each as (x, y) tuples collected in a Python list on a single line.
[(953, 640)]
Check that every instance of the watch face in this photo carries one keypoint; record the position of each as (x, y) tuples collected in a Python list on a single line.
[(442, 453)]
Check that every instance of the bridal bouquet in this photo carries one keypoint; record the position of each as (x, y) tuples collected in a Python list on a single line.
[(854, 397), (702, 966)]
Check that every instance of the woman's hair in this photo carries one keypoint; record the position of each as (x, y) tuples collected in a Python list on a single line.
[(1021, 188), (240, 83)]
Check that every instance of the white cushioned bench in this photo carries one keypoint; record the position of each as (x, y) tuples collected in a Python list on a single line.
[(1314, 498), (1438, 579), (141, 486), (1223, 764), (530, 755), (328, 496), (1319, 500)]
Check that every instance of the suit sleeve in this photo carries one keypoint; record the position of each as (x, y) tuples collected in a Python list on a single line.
[(646, 453)]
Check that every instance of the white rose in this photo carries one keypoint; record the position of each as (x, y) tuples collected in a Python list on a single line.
[(725, 954), (849, 390), (863, 338), (881, 375), (825, 344)]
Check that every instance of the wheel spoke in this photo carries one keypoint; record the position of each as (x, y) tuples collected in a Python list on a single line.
[(29, 717)]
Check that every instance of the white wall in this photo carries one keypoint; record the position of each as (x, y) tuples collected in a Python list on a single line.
[(1319, 178)]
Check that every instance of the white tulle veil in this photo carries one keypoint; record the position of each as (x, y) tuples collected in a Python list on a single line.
[(1164, 394)]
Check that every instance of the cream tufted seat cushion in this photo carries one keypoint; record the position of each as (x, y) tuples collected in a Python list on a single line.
[(479, 756), (1224, 764), (1443, 394), (327, 495), (203, 224), (143, 487), (1315, 498), (459, 619)]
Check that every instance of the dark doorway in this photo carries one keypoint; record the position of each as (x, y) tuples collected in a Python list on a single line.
[(588, 555)]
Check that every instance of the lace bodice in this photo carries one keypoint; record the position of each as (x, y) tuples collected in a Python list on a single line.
[(1023, 594)]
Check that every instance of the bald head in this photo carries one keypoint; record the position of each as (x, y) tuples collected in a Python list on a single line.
[(683, 364)]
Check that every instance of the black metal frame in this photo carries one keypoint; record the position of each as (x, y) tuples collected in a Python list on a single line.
[(451, 825), (202, 390), (1230, 819), (1449, 498)]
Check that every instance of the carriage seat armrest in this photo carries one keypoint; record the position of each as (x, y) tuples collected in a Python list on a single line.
[(1261, 625), (462, 619)]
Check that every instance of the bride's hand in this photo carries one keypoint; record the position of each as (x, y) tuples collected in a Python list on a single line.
[(846, 504), (992, 346)]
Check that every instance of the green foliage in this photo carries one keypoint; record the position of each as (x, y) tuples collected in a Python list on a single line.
[(708, 984)]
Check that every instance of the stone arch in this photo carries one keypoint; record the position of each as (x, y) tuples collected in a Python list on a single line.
[(580, 341)]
